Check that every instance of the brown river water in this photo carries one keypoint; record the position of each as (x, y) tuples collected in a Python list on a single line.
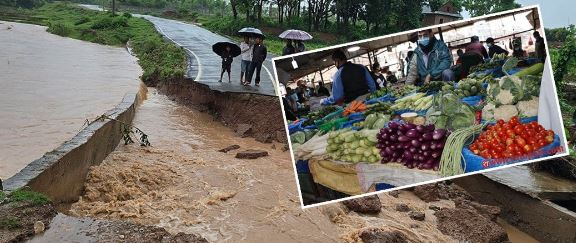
[(183, 184), (50, 86)]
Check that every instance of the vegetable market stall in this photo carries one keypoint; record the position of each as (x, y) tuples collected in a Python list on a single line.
[(409, 134)]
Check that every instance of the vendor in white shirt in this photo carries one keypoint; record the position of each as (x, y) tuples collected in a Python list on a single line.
[(246, 54)]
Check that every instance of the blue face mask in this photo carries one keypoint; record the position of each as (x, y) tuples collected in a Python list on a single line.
[(424, 41)]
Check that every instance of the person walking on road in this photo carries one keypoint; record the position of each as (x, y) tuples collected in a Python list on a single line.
[(246, 52), (227, 59), (259, 53)]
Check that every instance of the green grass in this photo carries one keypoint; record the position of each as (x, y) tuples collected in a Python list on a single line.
[(24, 195), (9, 223), (161, 60), (2, 196)]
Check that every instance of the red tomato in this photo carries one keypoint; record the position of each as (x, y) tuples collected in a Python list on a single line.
[(549, 139), (500, 122), (528, 148), (518, 129), (509, 141), (510, 133), (541, 143)]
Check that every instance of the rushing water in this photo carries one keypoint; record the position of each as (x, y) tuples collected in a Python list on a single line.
[(50, 86), (183, 184)]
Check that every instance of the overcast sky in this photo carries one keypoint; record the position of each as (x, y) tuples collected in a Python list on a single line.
[(555, 13)]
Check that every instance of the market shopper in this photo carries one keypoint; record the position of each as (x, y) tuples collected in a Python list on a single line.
[(246, 55), (288, 48), (493, 48), (408, 58), (349, 82), (459, 53), (227, 59), (259, 53), (476, 47), (432, 60), (376, 73), (391, 77), (539, 47)]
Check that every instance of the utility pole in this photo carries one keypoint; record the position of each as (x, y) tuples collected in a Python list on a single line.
[(113, 7)]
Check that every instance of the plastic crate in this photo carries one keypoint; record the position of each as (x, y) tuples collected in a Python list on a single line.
[(522, 120), (475, 162)]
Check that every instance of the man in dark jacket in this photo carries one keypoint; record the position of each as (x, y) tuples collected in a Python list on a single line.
[(259, 53), (493, 48), (540, 47), (349, 82), (322, 90)]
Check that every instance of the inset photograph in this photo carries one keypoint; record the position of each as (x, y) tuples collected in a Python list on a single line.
[(421, 106)]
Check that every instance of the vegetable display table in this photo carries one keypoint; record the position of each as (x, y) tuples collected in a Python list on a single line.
[(354, 179)]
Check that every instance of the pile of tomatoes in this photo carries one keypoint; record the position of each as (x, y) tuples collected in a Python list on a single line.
[(511, 139)]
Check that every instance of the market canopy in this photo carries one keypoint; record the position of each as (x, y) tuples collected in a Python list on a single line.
[(496, 26)]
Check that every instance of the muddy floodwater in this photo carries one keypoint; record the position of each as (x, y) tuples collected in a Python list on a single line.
[(183, 184), (50, 86)]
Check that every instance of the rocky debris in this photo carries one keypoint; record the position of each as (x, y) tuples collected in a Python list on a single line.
[(434, 207), (414, 226), (419, 216), (401, 207), (367, 205), (264, 138), (489, 212), (380, 235), (438, 191), (243, 130), (273, 146), (251, 154), (285, 148), (394, 193), (335, 211), (39, 227), (468, 225), (229, 148), (281, 136)]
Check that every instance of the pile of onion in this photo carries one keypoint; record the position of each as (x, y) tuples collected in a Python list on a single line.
[(415, 146)]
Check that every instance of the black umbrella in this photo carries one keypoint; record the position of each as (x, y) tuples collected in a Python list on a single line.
[(220, 47), (249, 31)]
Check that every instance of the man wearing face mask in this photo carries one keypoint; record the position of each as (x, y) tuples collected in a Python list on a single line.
[(493, 48), (432, 60), (349, 82)]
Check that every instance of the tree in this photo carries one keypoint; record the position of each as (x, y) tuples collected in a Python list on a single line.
[(482, 7), (234, 4), (317, 11)]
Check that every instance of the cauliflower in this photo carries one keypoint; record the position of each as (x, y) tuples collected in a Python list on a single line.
[(505, 112), (528, 108), (488, 111), (504, 97)]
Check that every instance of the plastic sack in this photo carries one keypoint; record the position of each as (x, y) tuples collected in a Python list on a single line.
[(302, 166), (473, 162)]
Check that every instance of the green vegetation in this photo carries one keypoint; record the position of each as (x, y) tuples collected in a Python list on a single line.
[(160, 59), (2, 196), (26, 195), (9, 223)]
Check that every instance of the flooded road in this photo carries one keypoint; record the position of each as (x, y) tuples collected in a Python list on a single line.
[(183, 184), (50, 86)]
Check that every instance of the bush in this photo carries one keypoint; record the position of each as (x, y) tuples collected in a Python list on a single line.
[(127, 15), (59, 28), (82, 20), (110, 22)]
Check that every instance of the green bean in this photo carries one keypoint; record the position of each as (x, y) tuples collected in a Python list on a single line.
[(451, 159)]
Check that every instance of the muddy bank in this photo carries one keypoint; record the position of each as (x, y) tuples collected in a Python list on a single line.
[(253, 115)]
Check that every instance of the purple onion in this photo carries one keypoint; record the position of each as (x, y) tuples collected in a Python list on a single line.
[(409, 126), (393, 138), (416, 143), (438, 134), (412, 133)]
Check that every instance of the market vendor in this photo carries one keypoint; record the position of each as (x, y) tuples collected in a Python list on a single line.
[(518, 51), (432, 60), (476, 47), (493, 48), (349, 82), (540, 47)]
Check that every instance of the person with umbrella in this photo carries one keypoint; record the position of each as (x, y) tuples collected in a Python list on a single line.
[(288, 48), (300, 46), (246, 51), (227, 51), (297, 36), (259, 53)]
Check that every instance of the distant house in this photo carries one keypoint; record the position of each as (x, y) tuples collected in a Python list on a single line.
[(446, 13)]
